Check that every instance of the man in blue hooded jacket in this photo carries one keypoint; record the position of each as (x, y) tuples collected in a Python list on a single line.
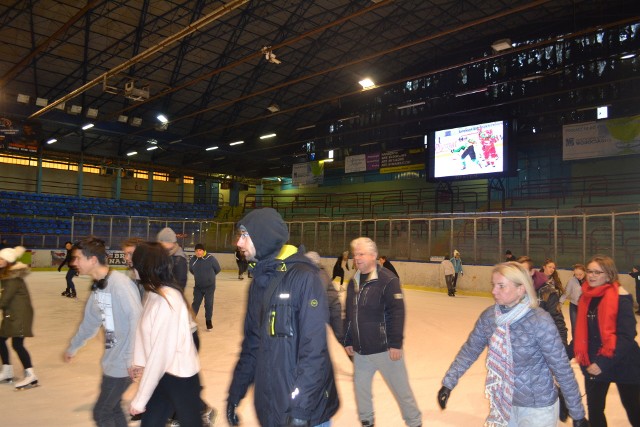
[(284, 351)]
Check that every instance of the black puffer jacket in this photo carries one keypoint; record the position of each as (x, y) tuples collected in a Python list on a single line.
[(284, 351), (375, 313)]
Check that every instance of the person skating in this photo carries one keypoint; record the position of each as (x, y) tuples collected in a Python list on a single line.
[(70, 291), (288, 362), (115, 306), (168, 239), (204, 267), (17, 319)]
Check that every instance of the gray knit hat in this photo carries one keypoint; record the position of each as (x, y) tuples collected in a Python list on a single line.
[(167, 235)]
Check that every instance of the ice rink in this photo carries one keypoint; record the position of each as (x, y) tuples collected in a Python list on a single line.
[(436, 327)]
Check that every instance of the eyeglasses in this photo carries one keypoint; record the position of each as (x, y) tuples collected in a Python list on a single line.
[(242, 235), (595, 272)]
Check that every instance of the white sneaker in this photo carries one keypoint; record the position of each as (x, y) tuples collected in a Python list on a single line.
[(29, 380)]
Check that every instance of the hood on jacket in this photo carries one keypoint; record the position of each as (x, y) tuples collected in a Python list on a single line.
[(268, 231)]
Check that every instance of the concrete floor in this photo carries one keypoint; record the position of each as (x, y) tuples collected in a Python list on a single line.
[(436, 327)]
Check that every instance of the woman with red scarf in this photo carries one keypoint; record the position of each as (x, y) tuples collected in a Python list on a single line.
[(604, 343)]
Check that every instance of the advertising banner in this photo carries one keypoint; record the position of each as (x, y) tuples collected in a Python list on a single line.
[(605, 138)]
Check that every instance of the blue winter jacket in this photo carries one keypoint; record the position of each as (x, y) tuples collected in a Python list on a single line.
[(284, 351), (538, 357)]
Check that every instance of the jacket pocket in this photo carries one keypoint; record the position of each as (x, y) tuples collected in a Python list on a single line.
[(280, 320)]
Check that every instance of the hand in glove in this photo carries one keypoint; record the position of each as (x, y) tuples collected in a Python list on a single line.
[(232, 417), (59, 267), (581, 423), (296, 422), (443, 396)]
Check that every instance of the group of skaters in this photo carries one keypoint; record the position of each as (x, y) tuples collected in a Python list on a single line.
[(284, 354)]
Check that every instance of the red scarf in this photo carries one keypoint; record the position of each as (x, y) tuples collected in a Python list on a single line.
[(607, 321)]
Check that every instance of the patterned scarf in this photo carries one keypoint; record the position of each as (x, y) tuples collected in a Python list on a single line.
[(607, 321), (500, 376)]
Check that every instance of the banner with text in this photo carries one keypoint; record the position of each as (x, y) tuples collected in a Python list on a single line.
[(362, 163), (308, 173), (616, 137), (402, 160)]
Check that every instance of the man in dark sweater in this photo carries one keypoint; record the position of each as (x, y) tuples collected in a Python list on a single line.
[(204, 267)]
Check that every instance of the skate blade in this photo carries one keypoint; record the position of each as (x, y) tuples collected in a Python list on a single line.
[(7, 381), (28, 386)]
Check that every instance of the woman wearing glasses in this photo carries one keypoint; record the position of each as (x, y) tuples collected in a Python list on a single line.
[(604, 342)]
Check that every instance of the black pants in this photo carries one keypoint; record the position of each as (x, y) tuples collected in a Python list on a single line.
[(341, 276), (597, 396), (174, 393), (71, 273), (18, 346)]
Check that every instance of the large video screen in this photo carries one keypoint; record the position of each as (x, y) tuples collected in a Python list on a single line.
[(468, 152)]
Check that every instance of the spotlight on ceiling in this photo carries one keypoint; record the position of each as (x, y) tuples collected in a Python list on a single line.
[(501, 45), (61, 106), (269, 55), (267, 136), (132, 153), (88, 126), (41, 102), (51, 141), (273, 108), (123, 119), (231, 144), (136, 121), (162, 118), (23, 99), (367, 83)]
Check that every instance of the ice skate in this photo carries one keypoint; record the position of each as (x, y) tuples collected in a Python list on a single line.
[(65, 293), (209, 326), (6, 375), (72, 294), (209, 417), (29, 381)]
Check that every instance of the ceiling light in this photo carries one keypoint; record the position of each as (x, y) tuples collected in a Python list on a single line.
[(330, 154), (328, 160), (123, 119), (269, 55), (502, 44), (132, 153), (236, 143), (415, 104), (41, 102), (88, 126), (75, 109), (279, 179), (175, 142), (92, 113), (367, 83), (628, 56), (273, 108), (267, 136), (23, 99), (162, 118), (60, 106), (215, 147), (602, 112), (306, 127), (136, 121), (153, 147), (52, 140)]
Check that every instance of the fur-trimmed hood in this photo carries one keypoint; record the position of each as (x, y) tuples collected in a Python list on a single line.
[(17, 270)]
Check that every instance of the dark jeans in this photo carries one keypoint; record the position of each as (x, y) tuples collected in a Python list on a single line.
[(573, 315), (448, 278), (108, 410), (597, 396), (18, 345), (455, 280), (174, 393), (71, 273), (207, 293)]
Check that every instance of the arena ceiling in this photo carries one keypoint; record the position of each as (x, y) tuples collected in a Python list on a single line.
[(230, 71)]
